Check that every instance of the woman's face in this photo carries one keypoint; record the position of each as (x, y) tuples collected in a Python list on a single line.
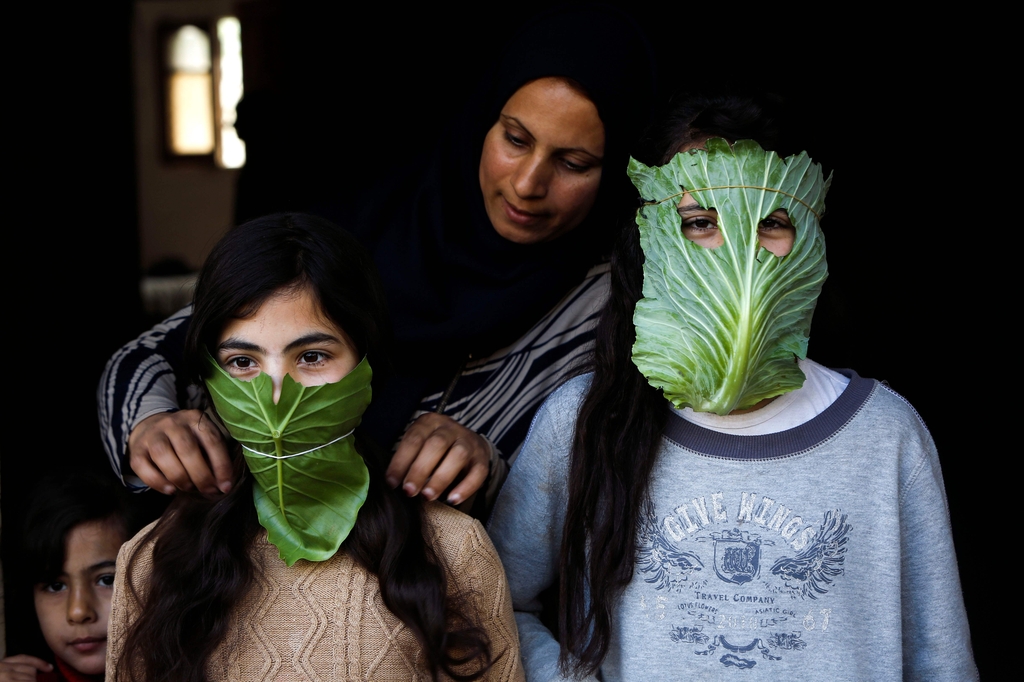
[(74, 609), (541, 163), (287, 335)]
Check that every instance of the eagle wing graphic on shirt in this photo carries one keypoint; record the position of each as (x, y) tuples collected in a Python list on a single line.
[(811, 572), (667, 566)]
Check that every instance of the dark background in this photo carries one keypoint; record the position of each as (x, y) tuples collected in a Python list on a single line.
[(357, 91)]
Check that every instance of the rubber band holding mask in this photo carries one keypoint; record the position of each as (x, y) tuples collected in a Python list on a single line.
[(307, 503), (720, 329), (297, 454)]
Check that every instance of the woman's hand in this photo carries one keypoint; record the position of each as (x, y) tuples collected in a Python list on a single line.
[(22, 668), (434, 451), (167, 451)]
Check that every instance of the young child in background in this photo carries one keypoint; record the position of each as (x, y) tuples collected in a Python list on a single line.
[(73, 531)]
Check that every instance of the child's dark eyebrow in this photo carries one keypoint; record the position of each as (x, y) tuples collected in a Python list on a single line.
[(315, 337), (103, 564), (238, 344)]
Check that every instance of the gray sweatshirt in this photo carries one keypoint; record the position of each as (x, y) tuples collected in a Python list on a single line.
[(819, 553)]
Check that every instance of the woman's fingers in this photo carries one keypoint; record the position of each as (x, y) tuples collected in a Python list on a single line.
[(195, 470), (217, 454), (22, 668), (190, 444), (434, 451), (426, 441), (148, 473), (406, 453), (160, 452), (443, 456), (478, 464), (167, 451)]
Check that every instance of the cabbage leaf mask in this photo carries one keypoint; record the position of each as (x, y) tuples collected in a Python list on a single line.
[(720, 329), (309, 480)]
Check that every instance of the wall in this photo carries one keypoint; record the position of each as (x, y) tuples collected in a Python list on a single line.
[(184, 207)]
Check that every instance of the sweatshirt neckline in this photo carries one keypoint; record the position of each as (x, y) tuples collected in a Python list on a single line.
[(786, 443)]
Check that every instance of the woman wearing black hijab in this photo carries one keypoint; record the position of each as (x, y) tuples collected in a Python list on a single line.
[(484, 249)]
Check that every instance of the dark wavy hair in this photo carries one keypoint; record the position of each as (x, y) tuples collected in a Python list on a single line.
[(201, 561), (621, 419), (61, 502), (691, 118)]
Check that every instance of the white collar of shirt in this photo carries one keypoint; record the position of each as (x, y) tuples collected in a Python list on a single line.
[(821, 388)]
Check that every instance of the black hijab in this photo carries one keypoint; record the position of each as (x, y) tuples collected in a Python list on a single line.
[(454, 285)]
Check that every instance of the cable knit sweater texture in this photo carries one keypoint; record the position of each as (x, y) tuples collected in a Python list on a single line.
[(327, 621)]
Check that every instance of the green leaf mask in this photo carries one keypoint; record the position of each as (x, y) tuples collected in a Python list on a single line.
[(720, 329), (310, 481)]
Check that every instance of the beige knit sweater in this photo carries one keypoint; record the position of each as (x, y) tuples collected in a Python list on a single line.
[(326, 620)]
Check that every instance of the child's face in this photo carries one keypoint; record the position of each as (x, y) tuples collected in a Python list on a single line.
[(73, 610), (734, 258), (287, 335)]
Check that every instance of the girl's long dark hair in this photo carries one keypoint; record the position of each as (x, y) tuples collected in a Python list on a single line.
[(621, 419), (201, 557)]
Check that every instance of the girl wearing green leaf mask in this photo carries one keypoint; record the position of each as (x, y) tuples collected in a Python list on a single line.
[(312, 562), (709, 502)]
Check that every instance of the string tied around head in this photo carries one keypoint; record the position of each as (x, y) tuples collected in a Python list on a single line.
[(296, 454)]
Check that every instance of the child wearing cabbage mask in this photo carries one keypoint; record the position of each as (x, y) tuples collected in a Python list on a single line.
[(710, 503)]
